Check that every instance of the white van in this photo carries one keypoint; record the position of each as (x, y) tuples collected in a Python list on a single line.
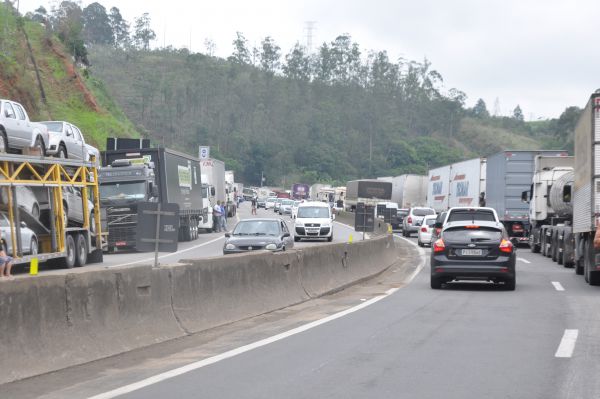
[(314, 220)]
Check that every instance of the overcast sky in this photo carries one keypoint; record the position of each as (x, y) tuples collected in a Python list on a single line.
[(538, 54)]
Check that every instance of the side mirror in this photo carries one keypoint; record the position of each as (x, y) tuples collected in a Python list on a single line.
[(212, 191), (154, 190), (567, 194), (286, 235), (23, 224), (525, 196), (227, 235)]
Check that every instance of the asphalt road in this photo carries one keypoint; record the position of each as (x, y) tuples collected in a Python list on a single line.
[(469, 340)]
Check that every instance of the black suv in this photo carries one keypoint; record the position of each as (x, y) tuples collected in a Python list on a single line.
[(473, 250)]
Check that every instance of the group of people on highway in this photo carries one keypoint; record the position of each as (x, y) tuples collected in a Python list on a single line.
[(220, 216)]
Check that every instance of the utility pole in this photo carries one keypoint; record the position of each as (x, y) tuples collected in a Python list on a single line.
[(309, 27), (261, 178)]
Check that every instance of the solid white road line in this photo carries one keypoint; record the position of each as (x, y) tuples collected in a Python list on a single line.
[(558, 286), (523, 260), (234, 352), (170, 254), (567, 344)]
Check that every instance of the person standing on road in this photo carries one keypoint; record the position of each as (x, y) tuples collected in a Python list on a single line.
[(6, 263), (254, 205), (223, 216), (217, 214)]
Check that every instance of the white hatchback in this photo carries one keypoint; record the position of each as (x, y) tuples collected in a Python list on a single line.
[(314, 220), (424, 234)]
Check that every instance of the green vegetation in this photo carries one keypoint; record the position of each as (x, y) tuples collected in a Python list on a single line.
[(70, 95)]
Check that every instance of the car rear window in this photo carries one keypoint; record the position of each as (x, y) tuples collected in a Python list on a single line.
[(429, 222), (463, 215), (423, 212), (462, 234)]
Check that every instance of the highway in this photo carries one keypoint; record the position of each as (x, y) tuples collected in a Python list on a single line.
[(391, 337)]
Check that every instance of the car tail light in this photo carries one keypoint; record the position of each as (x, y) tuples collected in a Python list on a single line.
[(471, 226), (439, 246), (517, 227), (506, 246), (409, 220), (424, 229)]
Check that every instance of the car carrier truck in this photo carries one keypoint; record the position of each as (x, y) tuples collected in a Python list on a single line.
[(132, 176)]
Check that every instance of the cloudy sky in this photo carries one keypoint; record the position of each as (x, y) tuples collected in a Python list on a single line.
[(538, 54)]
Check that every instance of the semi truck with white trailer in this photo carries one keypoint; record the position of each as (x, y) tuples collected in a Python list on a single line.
[(550, 229), (457, 184), (438, 188)]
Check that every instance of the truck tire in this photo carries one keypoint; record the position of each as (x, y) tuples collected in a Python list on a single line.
[(535, 248), (554, 248), (592, 277), (81, 253), (70, 259), (542, 242)]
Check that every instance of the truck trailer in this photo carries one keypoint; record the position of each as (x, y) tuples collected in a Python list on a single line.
[(408, 190), (367, 191), (132, 176), (213, 174)]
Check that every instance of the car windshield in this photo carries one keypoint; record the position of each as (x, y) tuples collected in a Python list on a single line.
[(287, 202), (257, 228), (423, 211), (53, 126), (462, 215), (132, 190), (464, 235), (271, 199), (313, 212)]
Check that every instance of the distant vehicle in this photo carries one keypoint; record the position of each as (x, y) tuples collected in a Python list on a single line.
[(66, 141), (261, 202), (270, 202), (438, 225), (278, 202), (413, 220), (400, 215), (286, 207), (248, 193), (365, 191), (256, 234), (408, 190), (425, 231), (300, 191), (467, 251), (314, 220), (73, 206), (29, 239), (17, 132)]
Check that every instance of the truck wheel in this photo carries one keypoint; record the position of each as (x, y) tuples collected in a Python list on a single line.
[(535, 248), (554, 246), (543, 242), (578, 267), (82, 251), (71, 252)]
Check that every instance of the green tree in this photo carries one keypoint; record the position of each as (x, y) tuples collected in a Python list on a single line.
[(96, 25), (480, 109), (269, 55), (518, 114), (119, 27), (67, 22), (241, 54), (297, 64), (143, 34), (40, 15)]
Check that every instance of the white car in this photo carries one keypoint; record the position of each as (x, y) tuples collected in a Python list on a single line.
[(427, 226), (314, 220), (66, 141), (412, 221), (286, 207), (17, 131), (270, 203)]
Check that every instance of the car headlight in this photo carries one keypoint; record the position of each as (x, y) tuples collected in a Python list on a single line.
[(325, 225), (299, 224), (229, 246), (271, 247)]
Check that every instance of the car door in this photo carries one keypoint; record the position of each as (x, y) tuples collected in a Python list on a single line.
[(24, 124), (80, 150), (287, 241), (70, 141)]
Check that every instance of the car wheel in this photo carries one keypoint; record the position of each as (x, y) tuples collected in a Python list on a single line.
[(578, 267), (62, 152), (330, 238), (419, 243), (82, 251), (39, 143), (510, 284), (71, 252), (296, 239), (33, 246), (3, 142), (436, 283)]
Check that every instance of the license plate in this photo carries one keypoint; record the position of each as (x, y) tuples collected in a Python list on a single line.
[(471, 252)]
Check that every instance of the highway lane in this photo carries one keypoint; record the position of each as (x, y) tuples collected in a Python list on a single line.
[(469, 340)]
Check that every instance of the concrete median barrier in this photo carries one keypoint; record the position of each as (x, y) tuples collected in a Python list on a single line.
[(56, 321)]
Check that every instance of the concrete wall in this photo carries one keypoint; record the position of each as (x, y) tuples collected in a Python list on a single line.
[(56, 321)]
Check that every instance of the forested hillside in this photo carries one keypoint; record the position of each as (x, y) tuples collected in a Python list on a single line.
[(333, 115), (37, 71)]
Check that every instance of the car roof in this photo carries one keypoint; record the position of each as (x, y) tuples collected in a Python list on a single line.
[(430, 216), (261, 220), (473, 208), (314, 203)]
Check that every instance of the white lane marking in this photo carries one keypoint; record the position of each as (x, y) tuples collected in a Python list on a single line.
[(170, 254), (558, 286), (523, 260), (567, 344), (234, 352), (407, 240)]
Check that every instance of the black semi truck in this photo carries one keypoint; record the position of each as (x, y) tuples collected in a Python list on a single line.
[(130, 176)]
